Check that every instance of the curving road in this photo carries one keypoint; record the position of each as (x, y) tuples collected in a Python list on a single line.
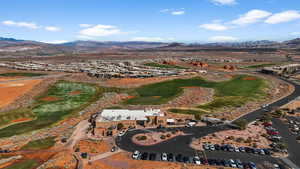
[(181, 144)]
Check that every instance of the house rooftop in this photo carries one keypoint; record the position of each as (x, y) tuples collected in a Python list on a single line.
[(125, 114)]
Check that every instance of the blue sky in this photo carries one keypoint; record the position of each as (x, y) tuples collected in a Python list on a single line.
[(150, 20)]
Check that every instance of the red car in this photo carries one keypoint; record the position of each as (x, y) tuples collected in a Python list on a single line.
[(267, 124), (272, 132)]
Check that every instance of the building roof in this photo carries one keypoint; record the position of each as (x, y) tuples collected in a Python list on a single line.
[(124, 114)]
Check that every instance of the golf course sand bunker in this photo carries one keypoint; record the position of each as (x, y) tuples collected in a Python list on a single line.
[(10, 91)]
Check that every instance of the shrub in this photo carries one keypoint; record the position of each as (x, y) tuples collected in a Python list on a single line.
[(162, 137), (240, 140), (168, 135), (120, 126), (242, 124), (140, 138)]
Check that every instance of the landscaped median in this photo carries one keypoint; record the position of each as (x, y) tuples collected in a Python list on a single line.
[(152, 138)]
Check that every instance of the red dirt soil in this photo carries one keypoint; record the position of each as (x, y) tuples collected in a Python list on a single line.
[(49, 98), (21, 120), (10, 91), (249, 78), (77, 92)]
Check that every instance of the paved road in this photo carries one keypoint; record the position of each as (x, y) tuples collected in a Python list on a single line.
[(181, 144)]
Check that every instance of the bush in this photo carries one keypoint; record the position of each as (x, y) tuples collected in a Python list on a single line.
[(242, 124), (162, 137), (120, 126), (140, 138), (168, 135), (240, 140)]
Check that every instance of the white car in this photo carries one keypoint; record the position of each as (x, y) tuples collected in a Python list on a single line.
[(276, 166), (122, 133), (136, 155), (164, 157), (236, 149), (197, 160)]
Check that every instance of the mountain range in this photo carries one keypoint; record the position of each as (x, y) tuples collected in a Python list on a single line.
[(10, 46)]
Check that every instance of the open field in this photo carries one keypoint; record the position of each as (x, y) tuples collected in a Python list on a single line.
[(49, 112), (237, 91), (27, 164), (10, 91), (23, 74), (153, 64), (40, 144)]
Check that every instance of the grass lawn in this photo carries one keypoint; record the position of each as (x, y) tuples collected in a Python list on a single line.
[(28, 164), (49, 112), (11, 116), (40, 144), (153, 64), (25, 74), (236, 91), (187, 111)]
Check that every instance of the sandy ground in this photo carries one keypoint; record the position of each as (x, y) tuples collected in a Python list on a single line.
[(10, 91), (254, 132), (123, 160), (154, 137)]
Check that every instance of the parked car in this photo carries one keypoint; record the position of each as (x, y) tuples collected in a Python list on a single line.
[(217, 147), (252, 165), (196, 160), (122, 133), (225, 163), (239, 163), (261, 152), (170, 157), (236, 149), (152, 156), (144, 156), (113, 149), (242, 149), (204, 161), (186, 159), (164, 157), (178, 158), (212, 147), (232, 163), (136, 155)]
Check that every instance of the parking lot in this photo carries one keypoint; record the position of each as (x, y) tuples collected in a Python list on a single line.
[(201, 158)]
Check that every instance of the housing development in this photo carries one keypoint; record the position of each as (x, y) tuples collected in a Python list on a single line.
[(141, 88)]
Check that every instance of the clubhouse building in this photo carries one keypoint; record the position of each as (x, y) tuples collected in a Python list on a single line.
[(110, 120)]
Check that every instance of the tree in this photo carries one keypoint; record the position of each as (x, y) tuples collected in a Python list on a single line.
[(242, 124), (120, 126)]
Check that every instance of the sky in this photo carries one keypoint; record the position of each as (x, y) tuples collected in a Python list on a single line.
[(189, 21)]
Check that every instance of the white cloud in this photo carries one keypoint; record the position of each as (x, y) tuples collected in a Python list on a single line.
[(100, 31), (56, 41), (151, 39), (165, 10), (178, 13), (250, 17), (29, 25), (285, 16), (295, 33), (85, 25), (214, 27), (223, 39), (52, 28), (224, 2)]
